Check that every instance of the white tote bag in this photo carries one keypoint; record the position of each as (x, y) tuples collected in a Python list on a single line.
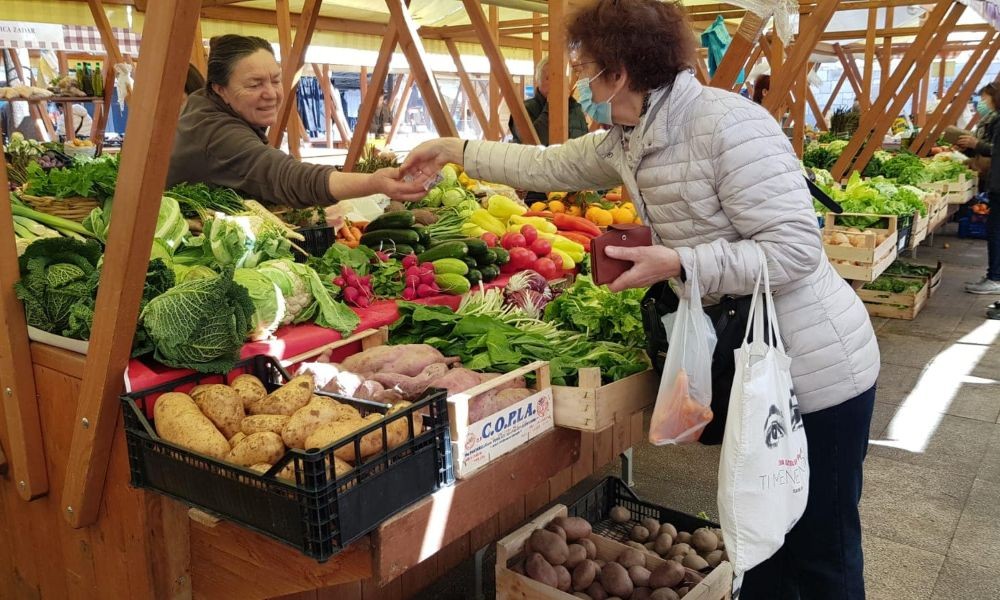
[(764, 469)]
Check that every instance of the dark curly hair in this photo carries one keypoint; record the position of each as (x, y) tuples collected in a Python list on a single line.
[(993, 91), (650, 40)]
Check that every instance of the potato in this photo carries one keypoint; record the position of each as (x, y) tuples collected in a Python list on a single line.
[(639, 575), (641, 593), (222, 406), (668, 528), (556, 529), (576, 527), (398, 430), (631, 557), (695, 562), (249, 389), (615, 580), (179, 421), (679, 558), (549, 545), (198, 389), (704, 540), (683, 591), (577, 554), (341, 467), (664, 594), (584, 575), (287, 399), (652, 526), (663, 543), (683, 537), (620, 514), (307, 419), (713, 558), (581, 595), (259, 423), (600, 562), (679, 549), (540, 570), (666, 575), (328, 433), (563, 577), (261, 447), (287, 472), (636, 545), (596, 591), (590, 547), (236, 439), (693, 578), (639, 534)]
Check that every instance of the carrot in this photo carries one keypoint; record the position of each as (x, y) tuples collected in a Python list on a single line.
[(613, 197), (351, 243), (345, 233), (362, 225), (538, 213), (570, 223), (356, 232)]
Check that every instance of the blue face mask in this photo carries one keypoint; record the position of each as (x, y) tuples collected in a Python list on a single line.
[(598, 111), (982, 108)]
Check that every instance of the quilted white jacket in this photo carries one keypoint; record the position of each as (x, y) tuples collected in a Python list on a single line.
[(713, 174)]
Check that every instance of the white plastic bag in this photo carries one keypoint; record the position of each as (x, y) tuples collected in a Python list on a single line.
[(764, 469), (683, 402)]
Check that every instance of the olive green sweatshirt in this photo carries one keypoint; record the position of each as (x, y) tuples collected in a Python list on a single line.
[(216, 146)]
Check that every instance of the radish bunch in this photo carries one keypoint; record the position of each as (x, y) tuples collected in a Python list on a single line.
[(419, 279), (357, 290)]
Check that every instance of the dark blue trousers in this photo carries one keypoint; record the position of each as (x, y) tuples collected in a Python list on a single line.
[(822, 558), (993, 239)]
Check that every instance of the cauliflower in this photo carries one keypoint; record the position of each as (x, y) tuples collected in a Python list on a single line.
[(294, 288)]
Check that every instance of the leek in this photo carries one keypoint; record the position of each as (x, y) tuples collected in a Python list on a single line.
[(49, 220), (22, 232)]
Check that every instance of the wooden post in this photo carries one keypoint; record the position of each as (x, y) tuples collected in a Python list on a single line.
[(836, 90), (291, 68), (327, 103), (470, 90), (115, 57), (536, 41), (145, 157), (875, 122), (63, 62), (810, 30), (942, 70), (397, 116), (960, 101), (284, 21), (799, 112), (869, 66), (363, 82), (494, 94), (335, 106), (918, 145), (754, 56), (558, 85), (851, 71), (497, 65), (368, 102), (920, 106), (816, 110), (19, 408), (198, 58), (413, 49), (736, 55), (887, 48)]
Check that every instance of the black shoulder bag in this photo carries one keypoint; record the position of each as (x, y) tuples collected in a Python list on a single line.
[(729, 317)]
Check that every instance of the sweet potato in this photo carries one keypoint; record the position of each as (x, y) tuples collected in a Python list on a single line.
[(405, 359), (222, 405), (249, 389), (411, 387), (261, 447), (457, 380), (179, 421), (287, 399), (491, 402)]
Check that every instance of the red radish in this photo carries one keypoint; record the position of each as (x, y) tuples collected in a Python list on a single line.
[(556, 260), (530, 234), (410, 260), (424, 290), (491, 239), (351, 295), (410, 293), (412, 280), (364, 302), (413, 271), (382, 256), (427, 268), (546, 268), (427, 277), (541, 247), (339, 282)]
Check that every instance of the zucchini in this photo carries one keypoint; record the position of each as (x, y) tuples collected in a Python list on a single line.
[(477, 247), (401, 219), (490, 258), (425, 236), (489, 273), (419, 248), (450, 265), (474, 276), (387, 237), (453, 249), (470, 262), (503, 257), (452, 284), (401, 250)]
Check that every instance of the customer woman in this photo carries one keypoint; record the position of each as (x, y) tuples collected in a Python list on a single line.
[(979, 147), (221, 137), (714, 176)]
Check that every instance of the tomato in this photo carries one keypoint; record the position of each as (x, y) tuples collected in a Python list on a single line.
[(512, 240), (546, 268), (530, 234), (541, 247), (556, 260), (491, 239), (522, 258)]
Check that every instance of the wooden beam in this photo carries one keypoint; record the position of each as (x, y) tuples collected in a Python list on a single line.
[(754, 56), (400, 113), (782, 79), (942, 70), (919, 144), (558, 84), (363, 82), (369, 103), (895, 92), (736, 55), (869, 64), (470, 90), (331, 101), (257, 16), (886, 50), (413, 49), (525, 127), (816, 110), (959, 102), (3, 461), (291, 68), (149, 140), (850, 70), (327, 105), (115, 56), (799, 112), (284, 20), (836, 90), (536, 42), (493, 96), (198, 58)]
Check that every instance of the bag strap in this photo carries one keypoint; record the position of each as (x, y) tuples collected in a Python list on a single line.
[(822, 196), (757, 308), (772, 315)]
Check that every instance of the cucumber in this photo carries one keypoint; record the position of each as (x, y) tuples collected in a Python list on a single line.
[(490, 258), (503, 257), (402, 219), (450, 265), (401, 250), (425, 236), (453, 249), (489, 273), (474, 276), (477, 248), (452, 283), (387, 237), (419, 249), (470, 262)]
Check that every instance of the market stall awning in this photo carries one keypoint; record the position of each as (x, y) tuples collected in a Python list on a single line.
[(73, 38)]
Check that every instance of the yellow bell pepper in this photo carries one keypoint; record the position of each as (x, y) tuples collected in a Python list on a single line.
[(542, 225), (484, 219), (503, 207), (568, 262), (472, 230), (571, 248), (556, 196)]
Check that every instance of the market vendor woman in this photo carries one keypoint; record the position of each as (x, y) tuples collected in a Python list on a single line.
[(221, 137)]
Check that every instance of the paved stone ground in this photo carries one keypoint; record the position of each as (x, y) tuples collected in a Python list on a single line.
[(931, 503)]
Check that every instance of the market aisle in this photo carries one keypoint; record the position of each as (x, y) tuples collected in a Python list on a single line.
[(931, 505)]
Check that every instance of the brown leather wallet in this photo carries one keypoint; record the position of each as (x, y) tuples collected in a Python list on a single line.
[(606, 269)]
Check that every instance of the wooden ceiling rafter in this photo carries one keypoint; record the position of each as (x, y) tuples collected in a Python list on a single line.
[(291, 68)]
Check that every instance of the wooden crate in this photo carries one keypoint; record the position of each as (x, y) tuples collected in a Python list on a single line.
[(920, 229), (896, 306), (717, 585), (959, 191), (872, 258), (591, 406), (474, 445)]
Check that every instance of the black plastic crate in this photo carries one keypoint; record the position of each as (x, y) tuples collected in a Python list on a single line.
[(318, 514), (904, 228), (318, 240), (595, 505)]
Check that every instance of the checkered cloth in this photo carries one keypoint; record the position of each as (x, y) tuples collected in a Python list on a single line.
[(88, 39)]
